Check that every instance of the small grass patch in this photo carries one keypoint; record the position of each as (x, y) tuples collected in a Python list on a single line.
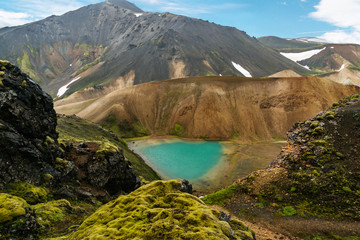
[(220, 197)]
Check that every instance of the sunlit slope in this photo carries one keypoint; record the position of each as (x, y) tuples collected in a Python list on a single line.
[(210, 107)]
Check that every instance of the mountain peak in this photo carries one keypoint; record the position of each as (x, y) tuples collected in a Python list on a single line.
[(124, 4)]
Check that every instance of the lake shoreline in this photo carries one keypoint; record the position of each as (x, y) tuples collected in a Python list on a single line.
[(237, 160)]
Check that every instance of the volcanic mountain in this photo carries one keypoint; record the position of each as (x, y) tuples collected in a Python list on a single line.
[(337, 62), (249, 109), (112, 40)]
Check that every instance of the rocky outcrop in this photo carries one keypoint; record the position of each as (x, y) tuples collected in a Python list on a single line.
[(102, 167), (316, 174), (29, 143), (28, 137)]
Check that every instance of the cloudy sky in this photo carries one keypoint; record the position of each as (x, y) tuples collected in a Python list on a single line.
[(333, 20)]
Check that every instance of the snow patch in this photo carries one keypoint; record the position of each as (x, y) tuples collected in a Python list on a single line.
[(70, 65), (331, 47), (64, 88), (220, 74), (138, 14), (341, 68), (301, 55), (241, 69), (306, 66)]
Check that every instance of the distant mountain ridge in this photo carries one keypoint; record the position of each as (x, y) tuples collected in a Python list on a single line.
[(337, 62), (103, 42)]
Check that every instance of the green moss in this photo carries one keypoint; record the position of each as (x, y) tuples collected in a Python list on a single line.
[(53, 212), (50, 140), (158, 211), (289, 211), (320, 142), (127, 129), (87, 66), (4, 63), (330, 115), (105, 149), (32, 50), (23, 84), (27, 191), (346, 189), (1, 82), (140, 129), (220, 197), (314, 124), (85, 48), (61, 163), (11, 207), (179, 130), (47, 177), (27, 67), (2, 73)]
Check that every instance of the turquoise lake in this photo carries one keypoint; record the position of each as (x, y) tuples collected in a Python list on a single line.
[(178, 158)]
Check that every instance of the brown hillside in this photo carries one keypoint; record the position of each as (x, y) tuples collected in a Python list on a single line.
[(213, 107), (285, 73)]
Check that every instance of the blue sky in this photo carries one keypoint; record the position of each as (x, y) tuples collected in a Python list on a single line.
[(332, 20)]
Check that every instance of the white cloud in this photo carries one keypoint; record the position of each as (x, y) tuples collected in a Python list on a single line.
[(12, 18), (343, 14), (340, 36), (44, 8), (25, 11), (187, 7)]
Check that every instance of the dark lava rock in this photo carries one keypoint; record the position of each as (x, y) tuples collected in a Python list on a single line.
[(28, 139), (83, 145), (224, 217), (186, 186), (29, 150), (103, 167)]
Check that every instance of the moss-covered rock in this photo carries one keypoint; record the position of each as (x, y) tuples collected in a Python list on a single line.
[(317, 172), (159, 210), (106, 148), (53, 212), (11, 207), (27, 191)]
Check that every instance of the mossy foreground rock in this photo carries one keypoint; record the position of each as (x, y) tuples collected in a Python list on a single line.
[(28, 192), (159, 210)]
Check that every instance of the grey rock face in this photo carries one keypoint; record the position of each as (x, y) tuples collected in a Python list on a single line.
[(28, 139)]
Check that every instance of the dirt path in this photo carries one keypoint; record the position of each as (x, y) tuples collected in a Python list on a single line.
[(262, 229)]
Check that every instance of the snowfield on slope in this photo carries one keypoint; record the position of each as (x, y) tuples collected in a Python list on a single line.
[(64, 88), (301, 55), (241, 69), (341, 68)]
